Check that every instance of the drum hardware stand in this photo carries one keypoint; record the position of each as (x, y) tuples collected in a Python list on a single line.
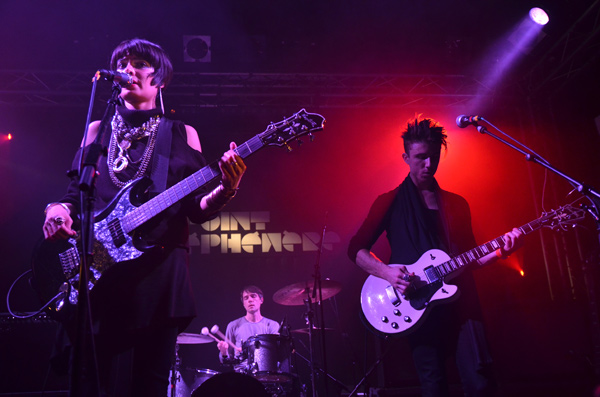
[(175, 372), (309, 320), (317, 288), (323, 372), (370, 371), (302, 294)]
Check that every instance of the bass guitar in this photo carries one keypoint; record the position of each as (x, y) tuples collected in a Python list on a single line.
[(116, 228), (388, 312)]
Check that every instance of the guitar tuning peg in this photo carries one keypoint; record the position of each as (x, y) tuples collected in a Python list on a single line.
[(300, 142), (288, 147), (311, 136)]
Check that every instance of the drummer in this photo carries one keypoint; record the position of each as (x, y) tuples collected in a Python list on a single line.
[(239, 330)]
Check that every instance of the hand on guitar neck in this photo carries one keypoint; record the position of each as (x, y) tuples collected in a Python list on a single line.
[(513, 240)]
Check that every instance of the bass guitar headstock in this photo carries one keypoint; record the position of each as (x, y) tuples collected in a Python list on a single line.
[(292, 128)]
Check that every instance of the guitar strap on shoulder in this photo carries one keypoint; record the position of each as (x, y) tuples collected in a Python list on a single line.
[(162, 152)]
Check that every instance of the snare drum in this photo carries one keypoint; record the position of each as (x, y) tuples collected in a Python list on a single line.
[(269, 357), (189, 379)]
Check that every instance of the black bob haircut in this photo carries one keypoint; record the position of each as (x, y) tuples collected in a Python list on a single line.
[(149, 51)]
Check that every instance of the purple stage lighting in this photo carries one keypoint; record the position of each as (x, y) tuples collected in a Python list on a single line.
[(538, 16)]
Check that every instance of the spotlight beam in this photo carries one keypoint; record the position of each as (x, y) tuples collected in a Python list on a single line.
[(539, 16)]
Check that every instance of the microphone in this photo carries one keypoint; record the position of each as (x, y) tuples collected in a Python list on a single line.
[(123, 79), (463, 121), (282, 325)]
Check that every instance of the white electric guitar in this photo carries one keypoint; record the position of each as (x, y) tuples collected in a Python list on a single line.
[(389, 312)]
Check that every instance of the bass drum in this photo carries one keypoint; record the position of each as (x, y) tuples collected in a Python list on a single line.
[(187, 380), (231, 384)]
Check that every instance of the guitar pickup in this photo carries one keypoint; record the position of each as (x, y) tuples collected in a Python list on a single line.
[(393, 295), (432, 274)]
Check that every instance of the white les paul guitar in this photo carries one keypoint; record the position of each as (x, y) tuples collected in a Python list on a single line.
[(389, 312)]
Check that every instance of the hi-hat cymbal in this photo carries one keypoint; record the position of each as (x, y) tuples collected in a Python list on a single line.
[(295, 294), (305, 330), (193, 339)]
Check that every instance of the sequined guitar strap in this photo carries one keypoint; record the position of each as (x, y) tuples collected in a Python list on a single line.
[(162, 152)]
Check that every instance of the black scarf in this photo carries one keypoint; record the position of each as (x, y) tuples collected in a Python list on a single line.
[(413, 228)]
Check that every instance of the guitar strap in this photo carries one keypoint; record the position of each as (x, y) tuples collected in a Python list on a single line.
[(445, 221), (162, 152)]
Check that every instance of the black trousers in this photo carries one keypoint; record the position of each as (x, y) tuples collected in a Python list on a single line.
[(136, 364), (442, 337)]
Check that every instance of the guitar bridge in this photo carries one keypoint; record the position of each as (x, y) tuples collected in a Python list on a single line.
[(69, 261)]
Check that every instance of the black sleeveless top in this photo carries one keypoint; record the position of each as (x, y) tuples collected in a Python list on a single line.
[(155, 288)]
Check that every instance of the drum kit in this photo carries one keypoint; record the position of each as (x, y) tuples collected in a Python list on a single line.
[(268, 356)]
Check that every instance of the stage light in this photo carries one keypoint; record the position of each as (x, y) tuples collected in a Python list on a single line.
[(509, 50), (5, 137), (522, 273), (538, 16), (196, 49)]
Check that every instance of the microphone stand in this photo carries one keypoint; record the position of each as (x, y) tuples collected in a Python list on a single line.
[(317, 288), (309, 320), (592, 194), (84, 367)]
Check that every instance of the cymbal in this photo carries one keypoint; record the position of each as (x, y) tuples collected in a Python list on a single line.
[(305, 330), (295, 294), (193, 339)]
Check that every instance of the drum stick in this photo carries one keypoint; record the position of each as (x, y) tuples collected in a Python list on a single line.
[(205, 332), (215, 330)]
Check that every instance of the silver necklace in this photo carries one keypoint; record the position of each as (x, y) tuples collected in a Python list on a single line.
[(121, 138)]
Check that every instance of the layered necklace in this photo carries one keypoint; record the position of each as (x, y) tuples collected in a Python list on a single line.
[(121, 139)]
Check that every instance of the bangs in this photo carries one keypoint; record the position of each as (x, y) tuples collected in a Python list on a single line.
[(150, 52), (138, 49)]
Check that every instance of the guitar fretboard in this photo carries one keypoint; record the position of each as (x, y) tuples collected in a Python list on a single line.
[(435, 273), (184, 188)]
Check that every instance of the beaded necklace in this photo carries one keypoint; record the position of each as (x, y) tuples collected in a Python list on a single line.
[(121, 138)]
